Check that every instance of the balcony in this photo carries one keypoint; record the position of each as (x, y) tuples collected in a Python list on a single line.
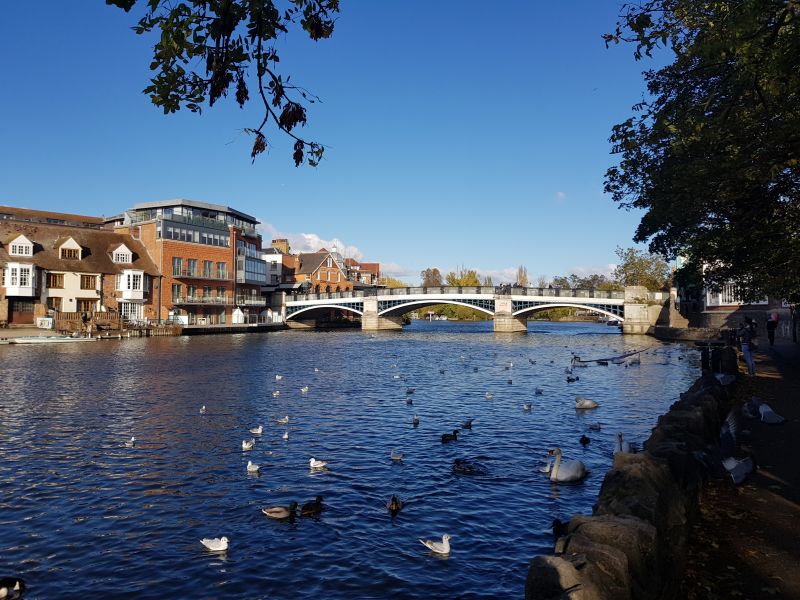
[(208, 275), (203, 300), (21, 290), (251, 301), (132, 295)]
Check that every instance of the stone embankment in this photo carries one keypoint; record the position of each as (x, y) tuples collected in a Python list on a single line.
[(634, 544)]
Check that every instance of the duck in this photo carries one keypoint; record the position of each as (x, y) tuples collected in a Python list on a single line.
[(450, 437), (257, 430), (583, 403), (409, 401), (415, 421), (309, 509), (281, 512), (410, 390), (584, 441), (565, 471), (394, 505), (489, 395), (530, 360), (283, 420), (441, 371), (11, 587), (276, 393), (203, 409), (467, 424), (285, 435), (442, 547), (278, 377), (215, 544), (129, 444), (396, 456), (252, 467), (509, 382), (317, 464), (560, 529), (526, 407), (304, 389), (538, 391), (572, 379), (248, 445)]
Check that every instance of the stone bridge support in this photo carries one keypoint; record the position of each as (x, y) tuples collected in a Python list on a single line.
[(637, 313), (371, 321), (504, 320)]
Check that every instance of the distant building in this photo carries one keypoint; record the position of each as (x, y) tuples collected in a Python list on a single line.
[(54, 262), (362, 273), (317, 272), (209, 257)]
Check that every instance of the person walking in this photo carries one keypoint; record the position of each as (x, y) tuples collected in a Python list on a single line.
[(772, 325), (745, 336)]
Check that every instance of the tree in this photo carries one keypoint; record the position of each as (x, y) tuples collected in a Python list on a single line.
[(542, 281), (467, 277), (713, 155), (637, 267), (206, 47), (561, 282), (487, 281), (431, 277), (391, 282), (522, 276)]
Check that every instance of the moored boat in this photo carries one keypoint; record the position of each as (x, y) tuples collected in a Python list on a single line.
[(48, 339)]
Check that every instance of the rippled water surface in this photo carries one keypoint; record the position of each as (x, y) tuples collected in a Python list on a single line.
[(80, 511)]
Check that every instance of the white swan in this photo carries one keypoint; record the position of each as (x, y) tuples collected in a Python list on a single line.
[(252, 467), (622, 446), (317, 464), (215, 544), (442, 547), (569, 470), (583, 403), (248, 445), (257, 430)]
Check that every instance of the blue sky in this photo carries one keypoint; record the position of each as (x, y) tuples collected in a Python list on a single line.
[(460, 133)]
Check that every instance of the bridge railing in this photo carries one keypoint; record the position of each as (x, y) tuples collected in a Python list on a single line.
[(501, 290)]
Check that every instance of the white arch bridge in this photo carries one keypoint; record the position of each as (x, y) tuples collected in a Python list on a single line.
[(509, 307)]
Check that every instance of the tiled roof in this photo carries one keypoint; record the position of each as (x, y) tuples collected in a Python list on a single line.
[(41, 216), (311, 262), (95, 243)]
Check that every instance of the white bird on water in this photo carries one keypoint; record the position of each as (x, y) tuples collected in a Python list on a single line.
[(304, 389), (285, 435), (583, 403), (317, 464), (278, 377), (276, 393), (203, 409), (442, 547), (257, 430), (131, 443), (526, 407), (569, 470), (248, 445), (489, 395), (283, 420), (215, 544), (252, 467), (396, 456)]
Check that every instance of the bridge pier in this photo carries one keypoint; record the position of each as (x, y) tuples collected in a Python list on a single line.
[(372, 321), (504, 319), (637, 313)]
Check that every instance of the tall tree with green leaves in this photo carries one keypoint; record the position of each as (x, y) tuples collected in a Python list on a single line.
[(712, 155), (205, 49), (637, 267)]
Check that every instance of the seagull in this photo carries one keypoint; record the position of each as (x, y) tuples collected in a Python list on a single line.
[(317, 464), (285, 435), (395, 376), (768, 415), (283, 420), (278, 377), (276, 393), (316, 370), (248, 445), (252, 468), (11, 587), (203, 409), (257, 430), (415, 421), (304, 389), (281, 512), (215, 544), (442, 547), (396, 456), (130, 443), (526, 407), (489, 395)]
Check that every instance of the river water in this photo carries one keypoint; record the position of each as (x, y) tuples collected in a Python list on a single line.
[(81, 513)]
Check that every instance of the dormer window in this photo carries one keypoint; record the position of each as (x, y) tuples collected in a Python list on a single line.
[(20, 246), (122, 257), (70, 253)]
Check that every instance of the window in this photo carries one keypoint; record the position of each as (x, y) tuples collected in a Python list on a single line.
[(130, 310), (177, 289), (191, 267), (190, 291), (88, 282), (122, 257), (55, 280), (208, 268), (221, 292), (54, 303), (329, 262), (20, 250), (69, 253), (24, 277), (222, 270), (85, 304), (136, 281), (13, 276), (177, 266)]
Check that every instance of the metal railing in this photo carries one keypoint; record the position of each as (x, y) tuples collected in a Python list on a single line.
[(251, 301), (214, 276), (481, 290), (218, 300)]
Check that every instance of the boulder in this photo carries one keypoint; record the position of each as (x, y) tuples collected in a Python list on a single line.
[(559, 578)]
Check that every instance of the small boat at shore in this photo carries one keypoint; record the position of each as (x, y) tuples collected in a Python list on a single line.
[(48, 339)]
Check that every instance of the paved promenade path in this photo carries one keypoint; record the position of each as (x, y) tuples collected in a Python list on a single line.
[(747, 541)]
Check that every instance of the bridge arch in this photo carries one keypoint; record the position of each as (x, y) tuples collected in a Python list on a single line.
[(401, 309), (316, 307), (541, 307)]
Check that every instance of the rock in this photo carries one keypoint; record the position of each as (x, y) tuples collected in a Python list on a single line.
[(558, 578)]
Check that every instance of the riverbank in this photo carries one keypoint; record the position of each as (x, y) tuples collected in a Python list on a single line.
[(746, 542)]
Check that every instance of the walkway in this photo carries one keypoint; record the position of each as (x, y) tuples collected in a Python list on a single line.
[(747, 541)]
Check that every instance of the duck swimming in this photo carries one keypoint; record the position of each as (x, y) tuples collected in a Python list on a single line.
[(467, 424), (394, 505), (583, 403), (584, 441), (11, 587), (281, 512), (310, 509), (450, 437)]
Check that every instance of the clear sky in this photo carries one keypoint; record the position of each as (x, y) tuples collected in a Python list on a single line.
[(460, 133)]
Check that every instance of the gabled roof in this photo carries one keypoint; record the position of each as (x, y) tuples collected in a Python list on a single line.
[(47, 239), (61, 240), (310, 262), (116, 246), (13, 239)]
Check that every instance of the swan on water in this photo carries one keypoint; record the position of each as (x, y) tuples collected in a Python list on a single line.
[(215, 544), (583, 403), (622, 446), (442, 547), (565, 471)]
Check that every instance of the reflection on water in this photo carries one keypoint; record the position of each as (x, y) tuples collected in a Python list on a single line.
[(79, 510)]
